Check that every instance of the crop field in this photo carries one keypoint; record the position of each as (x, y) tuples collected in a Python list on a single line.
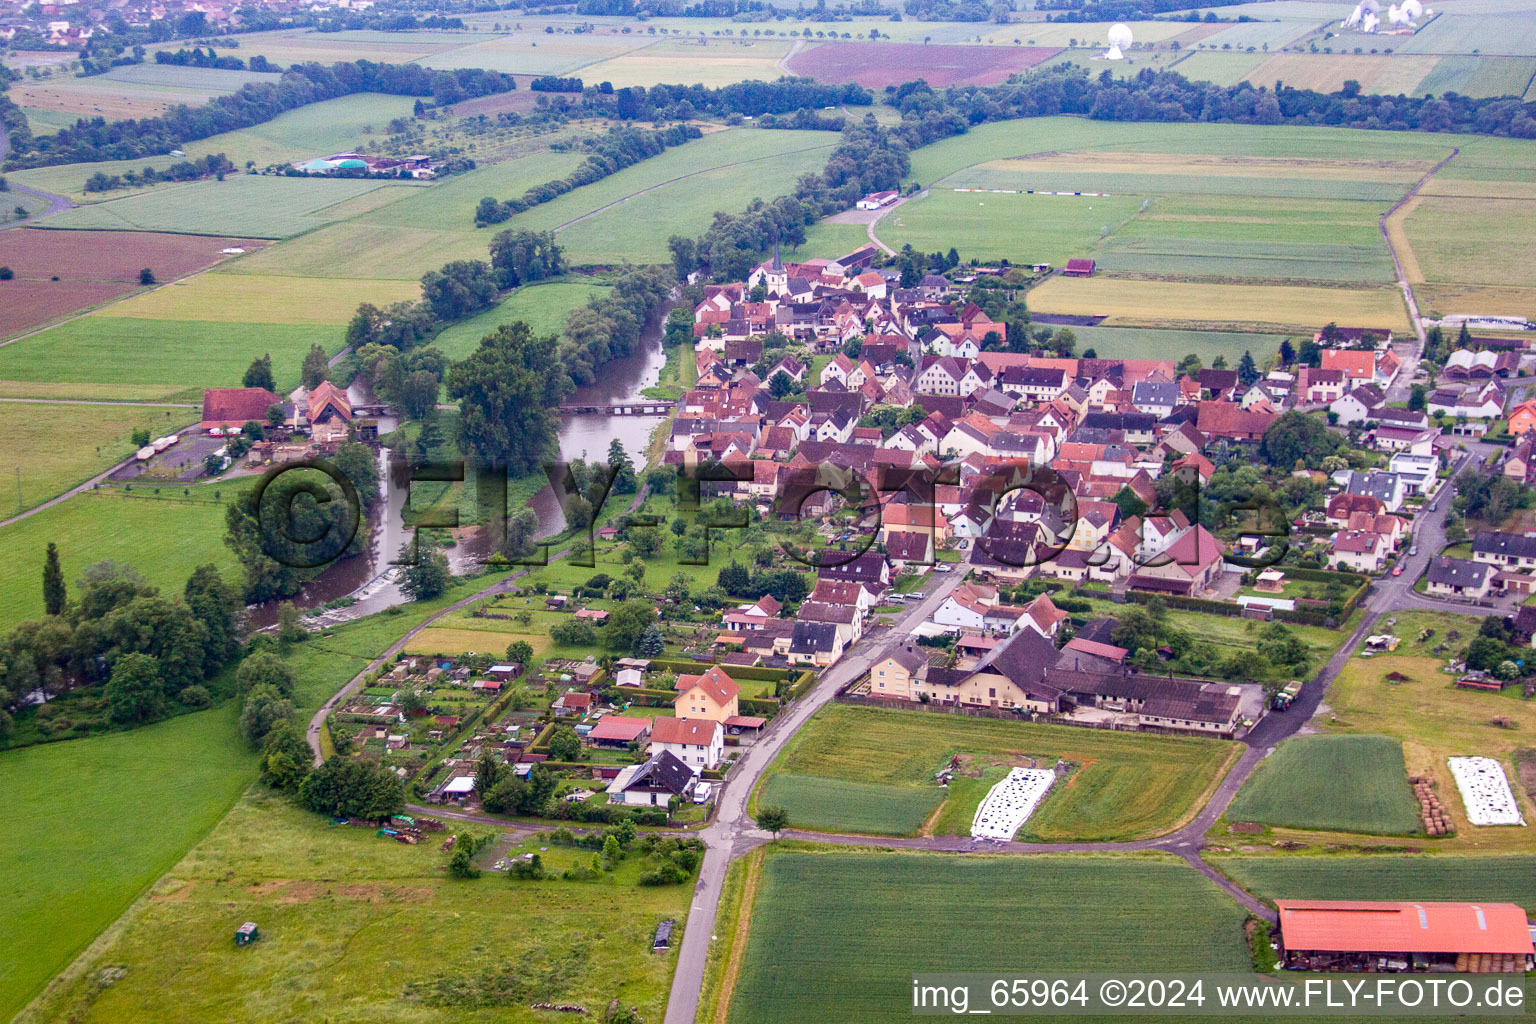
[(91, 269), (179, 356), (249, 298), (876, 67), (1503, 35), (190, 770), (117, 96), (1455, 298), (712, 62), (1509, 879), (1134, 63), (1376, 73), (1085, 34), (301, 45), (1473, 240), (313, 130), (823, 933), (164, 536), (543, 307), (341, 910), (1021, 228), (1338, 783), (1263, 261), (1478, 76), (1273, 34), (537, 52), (1284, 308), (99, 438), (1049, 135), (1128, 786), (837, 805), (1220, 68), (214, 81), (243, 204), (1124, 343)]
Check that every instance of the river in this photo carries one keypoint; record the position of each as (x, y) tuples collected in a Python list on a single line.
[(371, 580)]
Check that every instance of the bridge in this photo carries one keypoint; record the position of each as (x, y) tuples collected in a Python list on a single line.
[(648, 407)]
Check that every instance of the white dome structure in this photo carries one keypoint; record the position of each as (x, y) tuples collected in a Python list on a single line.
[(1412, 11), (1119, 39)]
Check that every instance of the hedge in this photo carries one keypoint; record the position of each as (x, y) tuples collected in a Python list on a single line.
[(757, 672), (540, 744), (756, 706), (1196, 604), (1297, 572), (804, 683)]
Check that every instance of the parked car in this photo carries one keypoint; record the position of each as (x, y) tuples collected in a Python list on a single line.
[(1413, 551), (1397, 570)]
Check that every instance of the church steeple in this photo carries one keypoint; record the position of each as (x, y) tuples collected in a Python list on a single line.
[(778, 264)]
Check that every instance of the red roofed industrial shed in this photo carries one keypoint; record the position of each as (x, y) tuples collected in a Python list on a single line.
[(1348, 935)]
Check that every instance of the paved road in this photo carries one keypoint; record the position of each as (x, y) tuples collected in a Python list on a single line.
[(55, 203)]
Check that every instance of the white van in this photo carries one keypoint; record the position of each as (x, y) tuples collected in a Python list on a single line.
[(701, 792)]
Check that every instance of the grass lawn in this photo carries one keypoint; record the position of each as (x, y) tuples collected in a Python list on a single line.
[(844, 932), (837, 805), (543, 307), (1384, 877), (1127, 786), (1126, 343), (1347, 783), (164, 537), (355, 927), (98, 438), (77, 854), (1434, 720), (187, 355)]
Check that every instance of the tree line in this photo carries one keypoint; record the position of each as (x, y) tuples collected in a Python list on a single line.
[(622, 146), (256, 103)]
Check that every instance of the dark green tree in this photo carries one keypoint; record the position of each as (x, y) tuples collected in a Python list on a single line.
[(565, 745), (1247, 370), (134, 692), (772, 819), (265, 710), (428, 575), (53, 581), (651, 644), (353, 787), (217, 606), (263, 668), (508, 391), (316, 366), (259, 374)]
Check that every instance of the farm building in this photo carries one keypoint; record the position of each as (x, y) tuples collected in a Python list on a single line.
[(415, 166), (232, 407), (878, 200), (1346, 935), (1079, 268)]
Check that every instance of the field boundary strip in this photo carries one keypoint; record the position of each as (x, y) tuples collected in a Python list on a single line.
[(739, 936)]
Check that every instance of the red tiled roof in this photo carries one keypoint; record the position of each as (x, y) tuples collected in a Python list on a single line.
[(1350, 926), (618, 729), (697, 732), (233, 406), (719, 686)]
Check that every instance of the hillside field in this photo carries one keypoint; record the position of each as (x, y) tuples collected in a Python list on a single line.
[(1384, 877), (1126, 786), (1343, 783)]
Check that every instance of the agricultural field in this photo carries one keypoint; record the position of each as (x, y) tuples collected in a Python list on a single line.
[(1478, 76), (1086, 35), (1432, 719), (837, 805), (134, 91), (99, 438), (1384, 876), (1221, 68), (535, 52), (1124, 343), (1500, 35), (1339, 783), (1184, 304), (58, 272), (877, 66), (260, 206), (1024, 229), (313, 130), (1127, 786), (249, 298), (185, 774), (165, 536), (302, 45), (543, 307), (822, 931), (1390, 75), (712, 63), (357, 926), (176, 358)]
